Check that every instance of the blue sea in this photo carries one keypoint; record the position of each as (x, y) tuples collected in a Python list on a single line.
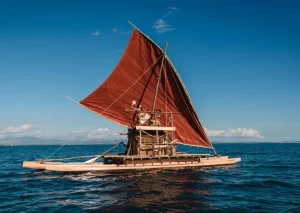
[(267, 180)]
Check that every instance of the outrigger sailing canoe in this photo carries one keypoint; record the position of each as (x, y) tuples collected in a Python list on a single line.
[(160, 117)]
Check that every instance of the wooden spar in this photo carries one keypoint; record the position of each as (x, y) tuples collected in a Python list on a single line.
[(72, 100), (181, 82), (159, 76), (129, 110), (162, 128), (95, 112)]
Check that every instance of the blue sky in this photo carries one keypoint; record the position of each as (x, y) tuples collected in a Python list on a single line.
[(240, 61)]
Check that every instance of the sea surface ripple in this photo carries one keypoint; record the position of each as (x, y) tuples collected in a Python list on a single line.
[(267, 180)]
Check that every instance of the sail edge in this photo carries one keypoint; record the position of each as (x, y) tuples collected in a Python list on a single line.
[(178, 76)]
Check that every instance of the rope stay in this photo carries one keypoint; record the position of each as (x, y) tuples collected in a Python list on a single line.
[(60, 147), (99, 156), (89, 156)]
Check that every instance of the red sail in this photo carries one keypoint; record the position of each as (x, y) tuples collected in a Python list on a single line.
[(135, 78)]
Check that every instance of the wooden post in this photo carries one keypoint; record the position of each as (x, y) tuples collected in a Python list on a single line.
[(172, 126), (153, 151), (129, 145), (140, 142), (159, 76)]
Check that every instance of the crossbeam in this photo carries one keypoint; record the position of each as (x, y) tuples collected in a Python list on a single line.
[(163, 128)]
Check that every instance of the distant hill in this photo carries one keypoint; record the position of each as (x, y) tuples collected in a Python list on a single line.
[(26, 140), (251, 142)]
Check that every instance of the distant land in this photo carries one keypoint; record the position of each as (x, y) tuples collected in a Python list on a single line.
[(26, 141)]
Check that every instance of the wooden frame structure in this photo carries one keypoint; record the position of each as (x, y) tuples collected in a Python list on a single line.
[(150, 145)]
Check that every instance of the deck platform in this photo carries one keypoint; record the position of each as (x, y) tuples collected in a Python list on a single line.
[(140, 159), (84, 167)]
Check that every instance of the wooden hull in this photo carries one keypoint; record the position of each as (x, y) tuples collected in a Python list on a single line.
[(84, 167)]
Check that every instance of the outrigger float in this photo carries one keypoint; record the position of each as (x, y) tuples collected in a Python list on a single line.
[(145, 76)]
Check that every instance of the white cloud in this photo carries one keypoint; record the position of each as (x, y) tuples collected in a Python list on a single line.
[(14, 129), (171, 9), (287, 138), (161, 26), (96, 33), (215, 132), (100, 133), (23, 130), (240, 132), (119, 50), (115, 30)]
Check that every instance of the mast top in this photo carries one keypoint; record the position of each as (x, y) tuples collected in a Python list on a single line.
[(131, 80), (166, 45)]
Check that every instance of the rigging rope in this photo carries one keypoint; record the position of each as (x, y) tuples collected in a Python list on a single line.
[(131, 85), (60, 147), (89, 156)]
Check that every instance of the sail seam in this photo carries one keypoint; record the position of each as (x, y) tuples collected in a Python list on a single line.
[(131, 85), (177, 74)]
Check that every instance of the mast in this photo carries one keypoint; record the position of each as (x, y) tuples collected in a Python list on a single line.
[(159, 76), (127, 83)]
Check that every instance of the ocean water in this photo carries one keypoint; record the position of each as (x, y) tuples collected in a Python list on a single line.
[(267, 180)]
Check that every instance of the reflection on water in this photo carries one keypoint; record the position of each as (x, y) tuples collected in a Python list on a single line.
[(258, 183), (168, 188), (152, 190)]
